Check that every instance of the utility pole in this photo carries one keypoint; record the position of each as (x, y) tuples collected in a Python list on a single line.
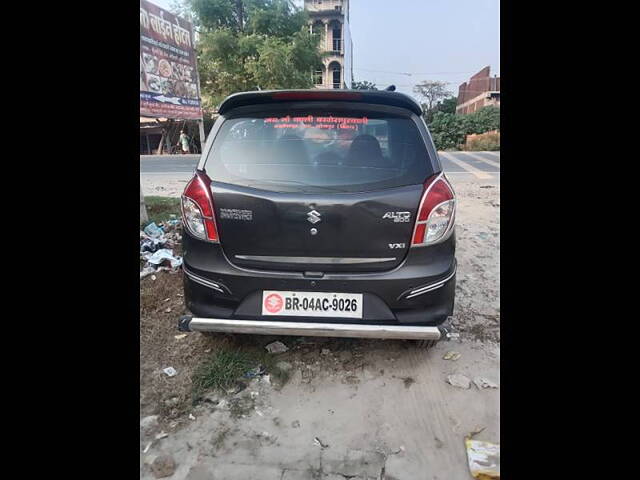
[(202, 135), (143, 208), (203, 138)]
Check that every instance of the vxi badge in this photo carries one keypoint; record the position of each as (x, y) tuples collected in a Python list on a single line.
[(398, 217)]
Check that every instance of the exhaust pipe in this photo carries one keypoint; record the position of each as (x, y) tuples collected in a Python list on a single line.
[(349, 330)]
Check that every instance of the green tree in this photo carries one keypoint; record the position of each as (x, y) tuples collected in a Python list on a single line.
[(364, 85), (448, 105), (213, 14), (252, 44), (432, 92), (484, 120), (449, 131)]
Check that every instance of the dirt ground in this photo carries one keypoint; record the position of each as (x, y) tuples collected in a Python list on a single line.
[(164, 185), (477, 309), (352, 408)]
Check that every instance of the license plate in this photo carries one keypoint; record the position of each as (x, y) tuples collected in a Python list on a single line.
[(312, 304)]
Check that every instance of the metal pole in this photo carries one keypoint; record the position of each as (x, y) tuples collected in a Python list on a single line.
[(143, 208), (203, 138), (202, 135)]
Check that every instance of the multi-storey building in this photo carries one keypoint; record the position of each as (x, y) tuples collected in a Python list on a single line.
[(330, 20), (480, 91)]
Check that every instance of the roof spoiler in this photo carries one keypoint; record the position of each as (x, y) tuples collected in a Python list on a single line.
[(394, 99)]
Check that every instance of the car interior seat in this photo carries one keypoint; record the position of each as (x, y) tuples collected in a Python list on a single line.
[(365, 151), (291, 149)]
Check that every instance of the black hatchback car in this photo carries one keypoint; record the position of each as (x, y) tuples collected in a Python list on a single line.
[(321, 213)]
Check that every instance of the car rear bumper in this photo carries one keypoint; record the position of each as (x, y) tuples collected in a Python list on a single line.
[(419, 292), (268, 327)]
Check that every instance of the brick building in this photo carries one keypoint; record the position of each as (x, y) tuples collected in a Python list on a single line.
[(330, 20), (480, 91)]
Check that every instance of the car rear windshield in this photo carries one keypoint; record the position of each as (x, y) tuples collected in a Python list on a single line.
[(314, 151)]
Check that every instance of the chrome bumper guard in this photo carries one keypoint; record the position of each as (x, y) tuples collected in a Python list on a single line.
[(267, 327)]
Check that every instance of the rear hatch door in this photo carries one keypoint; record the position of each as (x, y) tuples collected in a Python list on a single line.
[(310, 189), (369, 231)]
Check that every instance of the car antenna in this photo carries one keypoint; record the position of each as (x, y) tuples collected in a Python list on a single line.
[(391, 88)]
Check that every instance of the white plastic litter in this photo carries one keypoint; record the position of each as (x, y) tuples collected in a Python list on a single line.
[(276, 347), (484, 459), (153, 231), (162, 255), (482, 382), (459, 381), (170, 371), (146, 271), (155, 248)]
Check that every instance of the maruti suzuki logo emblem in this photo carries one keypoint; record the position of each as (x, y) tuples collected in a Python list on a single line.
[(313, 217)]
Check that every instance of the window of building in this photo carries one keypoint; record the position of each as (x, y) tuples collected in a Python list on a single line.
[(337, 82), (337, 39), (317, 28), (317, 76)]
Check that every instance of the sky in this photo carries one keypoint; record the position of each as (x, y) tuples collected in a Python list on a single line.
[(446, 40)]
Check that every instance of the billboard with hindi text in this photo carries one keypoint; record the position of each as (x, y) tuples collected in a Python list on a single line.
[(169, 84)]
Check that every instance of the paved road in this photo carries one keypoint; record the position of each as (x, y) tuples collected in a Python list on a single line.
[(168, 164), (480, 165)]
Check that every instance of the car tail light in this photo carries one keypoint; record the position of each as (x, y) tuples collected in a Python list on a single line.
[(197, 208), (436, 214)]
